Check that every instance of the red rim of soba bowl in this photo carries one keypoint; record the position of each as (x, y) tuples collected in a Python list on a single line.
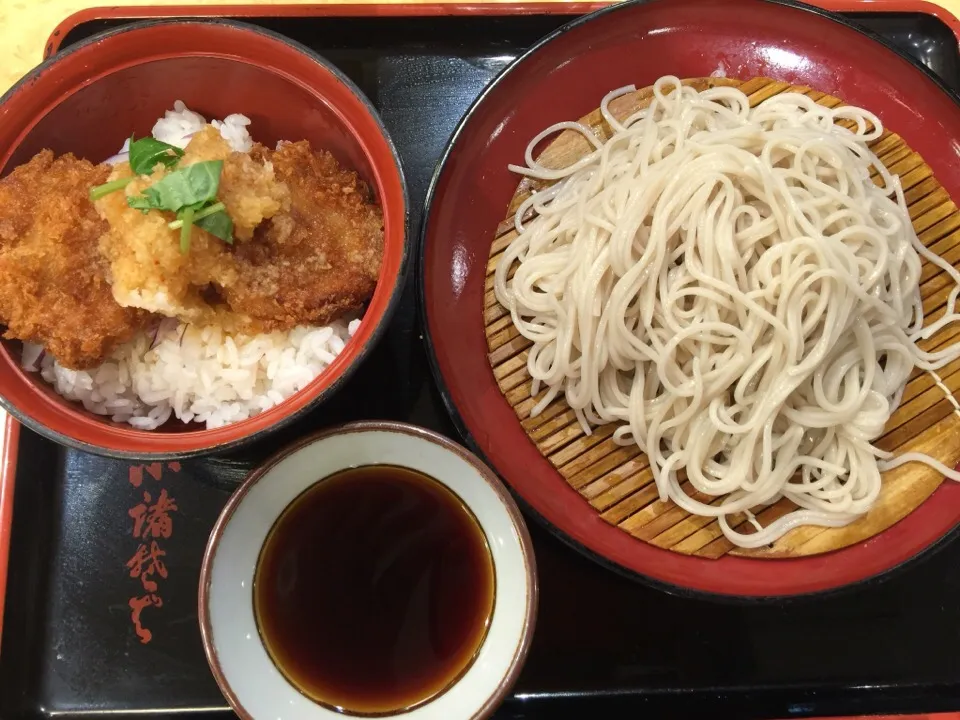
[(563, 78), (286, 61)]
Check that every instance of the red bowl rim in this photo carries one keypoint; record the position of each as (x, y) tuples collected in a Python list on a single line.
[(827, 588), (351, 362)]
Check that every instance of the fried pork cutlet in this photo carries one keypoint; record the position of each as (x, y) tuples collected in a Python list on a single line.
[(320, 259), (149, 270), (54, 286), (248, 186)]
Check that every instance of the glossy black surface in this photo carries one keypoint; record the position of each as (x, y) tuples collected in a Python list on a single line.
[(605, 646)]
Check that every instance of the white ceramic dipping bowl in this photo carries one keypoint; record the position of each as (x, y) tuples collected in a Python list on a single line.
[(251, 683)]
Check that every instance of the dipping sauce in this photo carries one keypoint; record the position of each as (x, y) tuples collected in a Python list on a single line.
[(374, 590)]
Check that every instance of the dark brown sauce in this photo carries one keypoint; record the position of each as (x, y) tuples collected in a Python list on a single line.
[(374, 590)]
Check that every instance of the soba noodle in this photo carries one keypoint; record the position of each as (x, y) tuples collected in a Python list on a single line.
[(729, 286)]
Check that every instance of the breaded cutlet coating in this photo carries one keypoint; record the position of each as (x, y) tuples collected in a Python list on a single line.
[(318, 260), (54, 283)]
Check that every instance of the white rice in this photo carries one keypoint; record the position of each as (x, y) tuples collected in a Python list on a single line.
[(196, 374), (179, 125), (200, 374)]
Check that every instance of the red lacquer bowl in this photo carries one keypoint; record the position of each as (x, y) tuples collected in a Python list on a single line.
[(87, 99), (564, 78)]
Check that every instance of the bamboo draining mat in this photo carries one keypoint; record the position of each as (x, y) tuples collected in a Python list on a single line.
[(617, 481)]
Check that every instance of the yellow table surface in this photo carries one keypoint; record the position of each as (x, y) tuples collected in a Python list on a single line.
[(25, 25)]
